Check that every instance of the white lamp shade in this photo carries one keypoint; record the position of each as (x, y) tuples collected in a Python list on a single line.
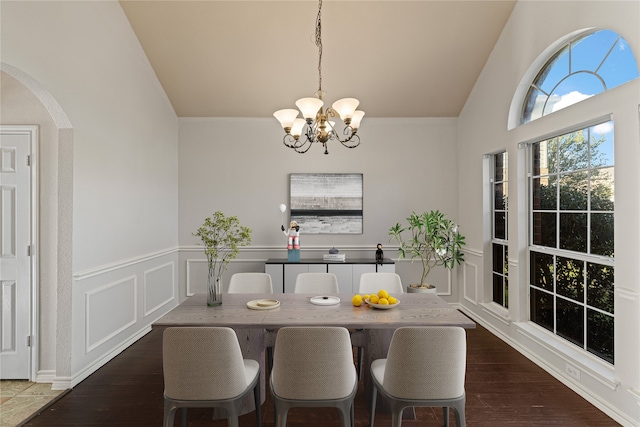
[(286, 117), (356, 119), (345, 107), (298, 124), (309, 107)]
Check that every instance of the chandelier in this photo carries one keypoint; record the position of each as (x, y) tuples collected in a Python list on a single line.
[(315, 127)]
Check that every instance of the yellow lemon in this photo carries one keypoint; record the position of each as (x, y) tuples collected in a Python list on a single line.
[(365, 297), (383, 301), (373, 299), (356, 300), (392, 300), (383, 293)]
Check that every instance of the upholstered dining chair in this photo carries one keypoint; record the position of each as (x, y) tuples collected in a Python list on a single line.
[(307, 283), (203, 368), (425, 366), (255, 283), (373, 282), (250, 283), (313, 367)]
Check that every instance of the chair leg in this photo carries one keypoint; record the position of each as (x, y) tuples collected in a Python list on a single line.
[(359, 363), (445, 414), (256, 398), (183, 417), (372, 407)]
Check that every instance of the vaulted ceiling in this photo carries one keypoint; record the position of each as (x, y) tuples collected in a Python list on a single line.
[(240, 58)]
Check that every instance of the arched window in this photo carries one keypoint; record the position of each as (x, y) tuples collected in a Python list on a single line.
[(587, 65)]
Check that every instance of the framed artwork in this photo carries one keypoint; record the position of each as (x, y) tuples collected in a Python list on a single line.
[(326, 203)]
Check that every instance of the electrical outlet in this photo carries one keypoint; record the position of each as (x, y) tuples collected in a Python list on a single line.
[(572, 371)]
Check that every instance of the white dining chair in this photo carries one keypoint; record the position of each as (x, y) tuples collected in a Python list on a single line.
[(425, 366), (326, 283), (250, 283), (255, 283), (313, 367), (203, 368), (373, 282)]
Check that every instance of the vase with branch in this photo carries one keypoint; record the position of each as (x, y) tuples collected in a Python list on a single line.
[(221, 237)]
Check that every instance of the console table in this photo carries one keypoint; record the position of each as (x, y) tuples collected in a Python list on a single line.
[(283, 273)]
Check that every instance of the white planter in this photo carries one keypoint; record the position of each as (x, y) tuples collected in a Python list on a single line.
[(430, 290)]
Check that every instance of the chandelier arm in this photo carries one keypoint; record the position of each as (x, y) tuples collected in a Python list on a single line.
[(353, 139), (296, 144)]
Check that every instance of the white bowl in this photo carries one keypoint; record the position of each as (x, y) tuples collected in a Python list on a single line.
[(382, 306)]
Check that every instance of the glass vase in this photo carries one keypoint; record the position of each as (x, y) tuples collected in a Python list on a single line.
[(214, 289)]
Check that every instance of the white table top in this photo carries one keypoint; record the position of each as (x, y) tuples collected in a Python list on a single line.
[(295, 310)]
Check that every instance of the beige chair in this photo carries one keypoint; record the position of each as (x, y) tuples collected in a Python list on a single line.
[(319, 283), (255, 283), (372, 282), (250, 283), (203, 368), (313, 367), (425, 366)]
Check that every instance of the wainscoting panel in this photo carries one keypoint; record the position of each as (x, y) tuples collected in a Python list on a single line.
[(109, 310), (159, 287), (114, 305), (471, 275)]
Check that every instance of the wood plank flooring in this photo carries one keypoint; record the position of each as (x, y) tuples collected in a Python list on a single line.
[(502, 386)]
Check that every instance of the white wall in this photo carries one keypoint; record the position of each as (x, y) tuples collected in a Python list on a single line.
[(534, 26), (124, 154), (239, 166)]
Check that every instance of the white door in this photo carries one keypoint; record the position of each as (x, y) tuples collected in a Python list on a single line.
[(15, 258)]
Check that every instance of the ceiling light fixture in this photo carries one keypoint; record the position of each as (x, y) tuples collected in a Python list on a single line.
[(315, 127)]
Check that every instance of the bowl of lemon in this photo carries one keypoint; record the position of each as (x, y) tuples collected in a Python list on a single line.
[(382, 300)]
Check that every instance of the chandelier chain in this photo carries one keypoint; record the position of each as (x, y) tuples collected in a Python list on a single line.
[(319, 44)]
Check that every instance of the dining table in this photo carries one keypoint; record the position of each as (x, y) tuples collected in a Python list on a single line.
[(250, 320)]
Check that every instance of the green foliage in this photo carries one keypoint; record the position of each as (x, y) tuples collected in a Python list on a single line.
[(434, 239), (221, 236)]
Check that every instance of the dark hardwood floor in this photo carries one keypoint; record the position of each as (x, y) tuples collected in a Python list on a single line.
[(502, 386)]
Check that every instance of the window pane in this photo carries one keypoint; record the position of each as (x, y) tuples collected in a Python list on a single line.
[(544, 158), (600, 287), (570, 321), (544, 229), (500, 192), (600, 335), (573, 151), (573, 232), (498, 289), (532, 107), (541, 272), (589, 52), (500, 167), (620, 66), (500, 230), (601, 145), (574, 191), (565, 94), (554, 70), (602, 234), (498, 258), (570, 278), (544, 193), (541, 308), (602, 189)]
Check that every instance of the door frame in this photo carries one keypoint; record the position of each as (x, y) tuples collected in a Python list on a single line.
[(34, 219)]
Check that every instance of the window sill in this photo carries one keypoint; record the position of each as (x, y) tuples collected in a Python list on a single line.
[(576, 359)]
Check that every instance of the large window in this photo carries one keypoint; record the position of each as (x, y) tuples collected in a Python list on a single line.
[(585, 66), (571, 185), (499, 241)]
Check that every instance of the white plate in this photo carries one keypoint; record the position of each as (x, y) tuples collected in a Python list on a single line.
[(383, 307), (263, 304), (325, 300)]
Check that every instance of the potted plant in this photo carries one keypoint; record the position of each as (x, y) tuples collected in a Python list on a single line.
[(221, 236), (432, 238)]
